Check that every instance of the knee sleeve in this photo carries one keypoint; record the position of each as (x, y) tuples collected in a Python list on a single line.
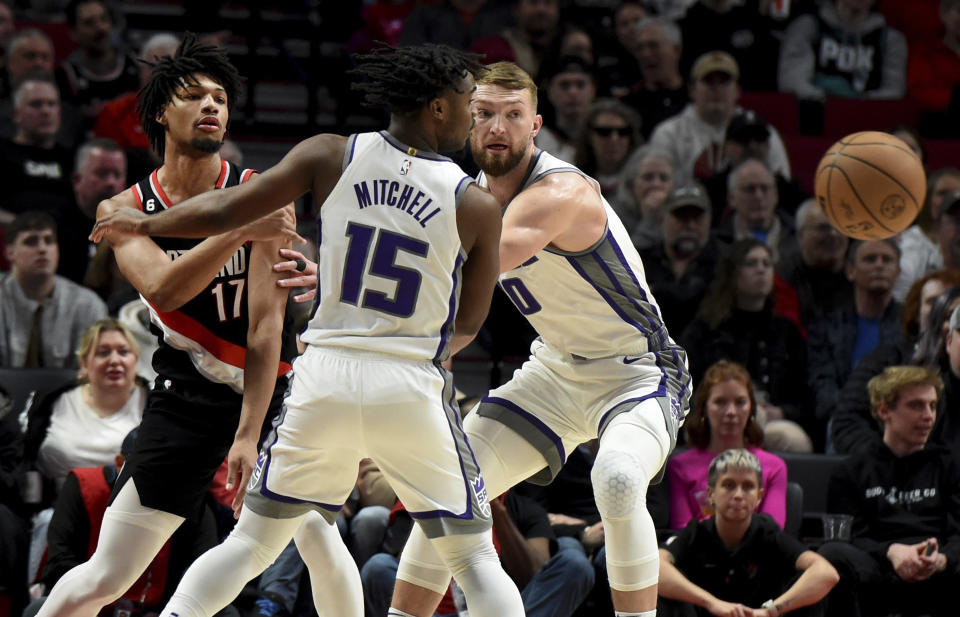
[(421, 565), (619, 484)]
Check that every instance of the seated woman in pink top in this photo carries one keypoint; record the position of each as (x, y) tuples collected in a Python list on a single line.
[(723, 417)]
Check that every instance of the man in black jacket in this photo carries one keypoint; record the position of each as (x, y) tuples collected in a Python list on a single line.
[(903, 497)]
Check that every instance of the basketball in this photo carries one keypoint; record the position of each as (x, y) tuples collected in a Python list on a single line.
[(870, 185)]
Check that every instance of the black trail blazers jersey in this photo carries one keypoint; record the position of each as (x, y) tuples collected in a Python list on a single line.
[(205, 340)]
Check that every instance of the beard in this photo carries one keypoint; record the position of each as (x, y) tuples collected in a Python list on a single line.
[(207, 146), (495, 166), (686, 245)]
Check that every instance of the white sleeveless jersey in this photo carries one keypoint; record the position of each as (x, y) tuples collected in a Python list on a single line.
[(388, 252), (591, 304)]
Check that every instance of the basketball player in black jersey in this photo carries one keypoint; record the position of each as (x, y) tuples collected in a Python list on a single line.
[(224, 347)]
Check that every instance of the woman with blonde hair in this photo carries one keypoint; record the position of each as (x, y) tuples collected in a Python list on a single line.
[(83, 422)]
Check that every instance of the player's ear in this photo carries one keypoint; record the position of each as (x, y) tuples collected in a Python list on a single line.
[(537, 125), (437, 108), (162, 118)]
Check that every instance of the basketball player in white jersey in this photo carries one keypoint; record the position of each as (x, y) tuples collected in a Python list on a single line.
[(604, 365), (405, 238), (204, 404)]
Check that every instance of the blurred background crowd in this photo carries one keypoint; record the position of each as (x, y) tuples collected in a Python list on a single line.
[(702, 120)]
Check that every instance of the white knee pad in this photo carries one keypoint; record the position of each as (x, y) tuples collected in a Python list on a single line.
[(619, 483)]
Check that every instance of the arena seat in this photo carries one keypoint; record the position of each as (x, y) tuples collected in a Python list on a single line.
[(777, 108), (845, 116), (24, 384), (942, 153), (805, 153), (812, 473)]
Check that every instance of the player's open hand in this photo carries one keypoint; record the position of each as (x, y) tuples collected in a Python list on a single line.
[(303, 273), (122, 220), (240, 463), (278, 225)]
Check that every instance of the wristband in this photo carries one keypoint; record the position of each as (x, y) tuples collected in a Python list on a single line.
[(769, 604)]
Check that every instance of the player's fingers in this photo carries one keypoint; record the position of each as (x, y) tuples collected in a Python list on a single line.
[(97, 233), (305, 280), (238, 501), (233, 470), (292, 254), (306, 297), (285, 266)]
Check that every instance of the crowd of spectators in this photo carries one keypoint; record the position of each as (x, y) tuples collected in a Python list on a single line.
[(681, 110)]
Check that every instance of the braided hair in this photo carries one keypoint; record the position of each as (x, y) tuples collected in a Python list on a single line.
[(172, 73), (404, 79)]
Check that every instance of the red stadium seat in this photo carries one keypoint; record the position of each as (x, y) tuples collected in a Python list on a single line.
[(845, 116), (942, 153), (777, 108), (805, 153)]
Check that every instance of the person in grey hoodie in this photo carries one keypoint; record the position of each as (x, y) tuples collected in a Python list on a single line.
[(843, 50)]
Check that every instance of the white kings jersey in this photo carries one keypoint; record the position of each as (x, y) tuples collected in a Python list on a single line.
[(591, 304), (388, 252)]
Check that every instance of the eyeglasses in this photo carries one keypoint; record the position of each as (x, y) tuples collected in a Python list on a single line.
[(607, 131)]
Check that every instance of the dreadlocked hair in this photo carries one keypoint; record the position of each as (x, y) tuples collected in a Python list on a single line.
[(404, 79), (170, 74)]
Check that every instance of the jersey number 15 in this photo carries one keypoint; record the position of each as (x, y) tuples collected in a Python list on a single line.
[(383, 264)]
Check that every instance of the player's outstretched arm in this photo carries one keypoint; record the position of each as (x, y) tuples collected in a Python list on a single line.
[(312, 165), (169, 283), (555, 210), (478, 222), (266, 302)]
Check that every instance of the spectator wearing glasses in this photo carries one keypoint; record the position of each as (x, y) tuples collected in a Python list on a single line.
[(613, 132), (753, 200)]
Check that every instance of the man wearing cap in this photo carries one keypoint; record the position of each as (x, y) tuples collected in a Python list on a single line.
[(681, 267), (748, 136), (571, 89), (696, 136)]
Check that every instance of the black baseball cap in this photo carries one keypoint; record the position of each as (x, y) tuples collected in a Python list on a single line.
[(748, 126)]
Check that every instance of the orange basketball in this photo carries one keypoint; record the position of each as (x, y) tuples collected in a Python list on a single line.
[(870, 185)]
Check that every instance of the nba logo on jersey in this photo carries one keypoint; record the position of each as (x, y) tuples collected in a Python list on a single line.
[(480, 490), (255, 476), (405, 167)]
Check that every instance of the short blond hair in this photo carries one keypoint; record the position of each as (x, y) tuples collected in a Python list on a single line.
[(885, 388), (510, 76), (92, 333)]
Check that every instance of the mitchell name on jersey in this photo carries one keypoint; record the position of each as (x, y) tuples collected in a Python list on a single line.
[(411, 200)]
